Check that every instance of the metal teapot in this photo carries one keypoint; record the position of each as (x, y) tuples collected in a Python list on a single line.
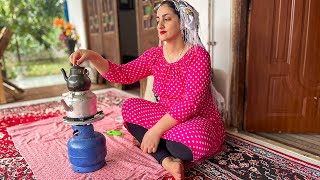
[(78, 79)]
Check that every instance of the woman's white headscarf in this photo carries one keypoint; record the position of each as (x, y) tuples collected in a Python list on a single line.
[(189, 21)]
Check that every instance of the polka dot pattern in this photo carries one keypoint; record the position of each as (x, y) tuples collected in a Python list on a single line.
[(183, 88)]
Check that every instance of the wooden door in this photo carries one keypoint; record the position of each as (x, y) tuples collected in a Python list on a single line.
[(94, 25), (110, 30), (110, 33), (103, 30), (146, 29), (283, 77)]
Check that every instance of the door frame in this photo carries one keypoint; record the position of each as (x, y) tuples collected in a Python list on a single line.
[(240, 35)]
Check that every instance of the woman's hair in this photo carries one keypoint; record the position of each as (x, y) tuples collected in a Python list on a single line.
[(189, 19), (171, 5)]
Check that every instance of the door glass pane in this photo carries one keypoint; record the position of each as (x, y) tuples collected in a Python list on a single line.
[(149, 21), (147, 11), (96, 24), (111, 20), (110, 5), (111, 23), (146, 24)]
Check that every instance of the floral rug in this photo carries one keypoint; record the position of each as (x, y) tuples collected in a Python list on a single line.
[(238, 159)]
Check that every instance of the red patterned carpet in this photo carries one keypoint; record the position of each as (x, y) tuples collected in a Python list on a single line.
[(239, 158)]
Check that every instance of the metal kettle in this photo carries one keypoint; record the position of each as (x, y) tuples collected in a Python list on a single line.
[(78, 79)]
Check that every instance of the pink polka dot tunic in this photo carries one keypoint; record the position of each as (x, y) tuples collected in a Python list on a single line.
[(184, 92)]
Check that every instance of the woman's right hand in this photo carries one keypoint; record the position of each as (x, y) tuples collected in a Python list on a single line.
[(81, 55)]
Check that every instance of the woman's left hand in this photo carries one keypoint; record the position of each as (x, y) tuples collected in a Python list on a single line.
[(150, 141)]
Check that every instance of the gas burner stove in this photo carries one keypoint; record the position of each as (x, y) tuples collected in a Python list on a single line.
[(83, 120), (86, 148)]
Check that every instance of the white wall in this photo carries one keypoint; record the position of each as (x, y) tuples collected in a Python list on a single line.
[(77, 19), (222, 52)]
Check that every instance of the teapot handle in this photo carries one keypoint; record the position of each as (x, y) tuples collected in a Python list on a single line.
[(64, 74)]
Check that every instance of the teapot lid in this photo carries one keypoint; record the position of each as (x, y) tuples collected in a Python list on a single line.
[(77, 67), (78, 70)]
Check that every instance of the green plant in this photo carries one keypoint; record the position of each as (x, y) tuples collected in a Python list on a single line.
[(30, 22), (37, 68)]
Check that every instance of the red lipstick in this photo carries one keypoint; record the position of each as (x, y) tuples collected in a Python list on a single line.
[(163, 32)]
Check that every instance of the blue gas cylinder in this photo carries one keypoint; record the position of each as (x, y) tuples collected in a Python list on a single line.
[(86, 149)]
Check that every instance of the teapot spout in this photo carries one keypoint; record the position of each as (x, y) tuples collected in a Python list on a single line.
[(64, 74), (66, 107)]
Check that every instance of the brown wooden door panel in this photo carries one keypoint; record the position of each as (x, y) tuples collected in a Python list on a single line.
[(146, 29), (283, 78), (93, 29), (110, 33), (103, 31), (94, 25)]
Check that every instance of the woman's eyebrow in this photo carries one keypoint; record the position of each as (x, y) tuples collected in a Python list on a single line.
[(162, 15)]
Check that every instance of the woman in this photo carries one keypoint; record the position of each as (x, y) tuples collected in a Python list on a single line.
[(184, 125)]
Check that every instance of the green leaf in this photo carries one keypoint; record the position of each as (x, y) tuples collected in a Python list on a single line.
[(30, 21)]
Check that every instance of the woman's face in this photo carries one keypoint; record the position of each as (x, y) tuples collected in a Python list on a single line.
[(168, 24)]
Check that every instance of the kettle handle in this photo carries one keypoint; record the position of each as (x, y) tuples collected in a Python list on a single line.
[(64, 74)]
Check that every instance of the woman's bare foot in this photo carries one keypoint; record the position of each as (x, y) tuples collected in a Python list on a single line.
[(174, 166)]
